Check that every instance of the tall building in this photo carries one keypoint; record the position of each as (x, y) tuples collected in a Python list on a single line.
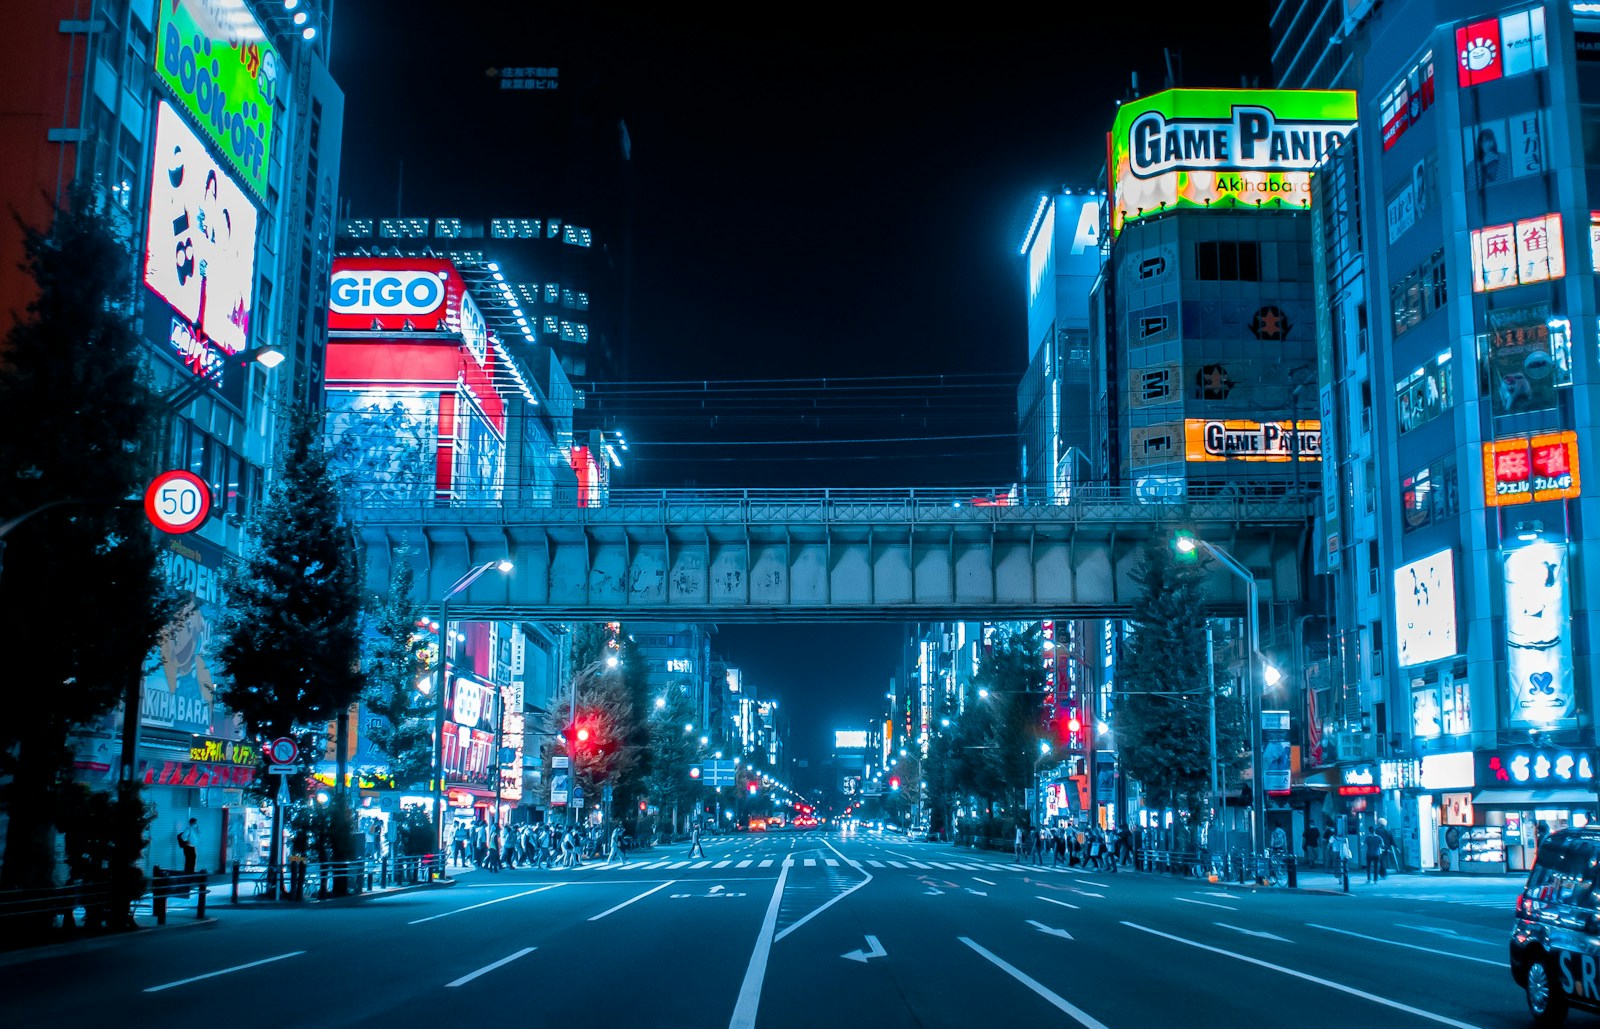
[(1310, 48), (223, 186), (1460, 304)]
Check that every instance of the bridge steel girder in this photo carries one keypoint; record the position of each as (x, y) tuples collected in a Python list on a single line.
[(692, 558)]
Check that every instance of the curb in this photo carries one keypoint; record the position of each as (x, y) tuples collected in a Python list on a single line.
[(66, 948)]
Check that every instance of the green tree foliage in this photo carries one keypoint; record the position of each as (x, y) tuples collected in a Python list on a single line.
[(398, 658), (1163, 681), (1007, 725), (77, 423), (289, 643), (672, 752), (606, 709)]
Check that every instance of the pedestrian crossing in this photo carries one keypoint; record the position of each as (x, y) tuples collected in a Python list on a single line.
[(735, 862)]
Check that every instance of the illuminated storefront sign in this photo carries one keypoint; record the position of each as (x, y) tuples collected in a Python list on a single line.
[(1522, 469), (1538, 633), (1201, 147), (200, 249), (1495, 48), (1455, 771), (1358, 780), (1211, 439), (849, 739), (215, 60), (196, 774), (1535, 766), (1529, 250), (404, 294), (1425, 609)]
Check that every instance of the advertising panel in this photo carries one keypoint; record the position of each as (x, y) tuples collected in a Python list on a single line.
[(849, 739), (200, 249), (1276, 753), (1425, 609), (1403, 105), (180, 692), (1496, 48), (216, 62), (1425, 393), (1201, 147), (405, 294), (1215, 439), (1522, 469), (1504, 149), (1512, 255), (1524, 358), (479, 456), (1538, 633), (381, 444)]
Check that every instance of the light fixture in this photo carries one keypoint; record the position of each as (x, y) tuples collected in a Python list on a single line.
[(309, 32), (505, 565), (300, 17)]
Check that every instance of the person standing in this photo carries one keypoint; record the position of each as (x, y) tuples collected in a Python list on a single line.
[(458, 846), (1309, 841), (189, 843), (1019, 848), (1124, 844), (1372, 848), (1388, 848)]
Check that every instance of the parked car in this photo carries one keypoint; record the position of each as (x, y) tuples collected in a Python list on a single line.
[(1555, 938)]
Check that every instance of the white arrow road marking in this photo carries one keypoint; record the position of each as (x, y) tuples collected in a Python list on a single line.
[(1307, 977), (1060, 1003), (1253, 932), (1450, 933), (222, 971), (1053, 932), (874, 950), (1205, 903), (524, 952), (984, 881), (716, 889), (1217, 893), (980, 893), (1052, 900), (1407, 946), (934, 891)]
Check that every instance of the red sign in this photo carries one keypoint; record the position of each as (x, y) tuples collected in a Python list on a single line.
[(1523, 469), (177, 502), (407, 294), (1478, 54), (197, 773)]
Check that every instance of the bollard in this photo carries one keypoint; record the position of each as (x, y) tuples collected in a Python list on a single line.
[(1344, 872), (236, 882), (158, 894), (1289, 872), (202, 887)]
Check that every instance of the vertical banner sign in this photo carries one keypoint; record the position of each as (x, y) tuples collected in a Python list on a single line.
[(1275, 752), (1538, 634)]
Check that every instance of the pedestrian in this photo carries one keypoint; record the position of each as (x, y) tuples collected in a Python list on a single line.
[(491, 850), (1058, 847), (298, 858), (1540, 832), (480, 843), (1310, 839), (1111, 851), (695, 849), (459, 845), (1124, 844), (189, 843), (615, 854), (1372, 846), (1389, 849), (1019, 844), (1094, 850)]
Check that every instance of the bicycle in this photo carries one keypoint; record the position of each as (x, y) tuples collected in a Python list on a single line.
[(1270, 868)]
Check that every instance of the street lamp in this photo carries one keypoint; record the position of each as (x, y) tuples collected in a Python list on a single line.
[(504, 566), (1188, 545)]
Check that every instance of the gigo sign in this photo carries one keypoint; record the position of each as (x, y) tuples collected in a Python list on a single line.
[(386, 293), (403, 294), (1199, 147), (216, 62)]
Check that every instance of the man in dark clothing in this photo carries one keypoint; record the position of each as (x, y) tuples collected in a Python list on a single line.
[(1309, 841), (1372, 849), (1389, 851)]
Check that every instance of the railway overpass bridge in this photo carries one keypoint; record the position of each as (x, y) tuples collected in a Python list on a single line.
[(829, 555)]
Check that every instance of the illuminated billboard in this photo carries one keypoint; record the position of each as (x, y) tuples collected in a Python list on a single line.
[(1538, 633), (1196, 148), (216, 62), (849, 739), (1516, 254), (1237, 439), (200, 249), (1425, 609), (1522, 469), (405, 294)]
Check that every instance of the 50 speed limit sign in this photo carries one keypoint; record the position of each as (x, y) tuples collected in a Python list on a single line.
[(177, 502)]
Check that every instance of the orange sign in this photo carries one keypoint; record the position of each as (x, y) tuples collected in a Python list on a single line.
[(1215, 439), (1524, 469)]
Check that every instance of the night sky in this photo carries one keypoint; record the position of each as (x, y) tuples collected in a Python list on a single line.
[(818, 197)]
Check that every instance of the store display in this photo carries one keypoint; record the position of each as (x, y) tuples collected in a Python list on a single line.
[(1483, 844)]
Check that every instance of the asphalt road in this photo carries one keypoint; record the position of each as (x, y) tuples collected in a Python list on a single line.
[(798, 929)]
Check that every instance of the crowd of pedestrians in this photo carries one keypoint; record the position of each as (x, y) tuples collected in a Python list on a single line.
[(1076, 846), (534, 846)]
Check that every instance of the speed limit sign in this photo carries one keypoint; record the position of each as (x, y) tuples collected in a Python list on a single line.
[(177, 502)]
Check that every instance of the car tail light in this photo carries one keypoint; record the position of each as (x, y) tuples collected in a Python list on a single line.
[(1524, 906)]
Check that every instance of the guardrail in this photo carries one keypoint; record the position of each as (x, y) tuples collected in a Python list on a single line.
[(295, 880)]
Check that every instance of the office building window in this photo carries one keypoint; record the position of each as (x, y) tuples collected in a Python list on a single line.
[(1227, 261), (1418, 293)]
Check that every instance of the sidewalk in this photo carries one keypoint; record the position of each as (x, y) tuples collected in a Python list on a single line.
[(1487, 891)]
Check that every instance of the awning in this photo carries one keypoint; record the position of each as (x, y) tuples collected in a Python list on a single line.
[(1532, 798)]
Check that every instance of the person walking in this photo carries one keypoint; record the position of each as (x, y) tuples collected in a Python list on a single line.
[(1019, 844), (1124, 844), (1372, 848), (615, 854), (1310, 839), (695, 849), (189, 843), (1390, 852), (1095, 847)]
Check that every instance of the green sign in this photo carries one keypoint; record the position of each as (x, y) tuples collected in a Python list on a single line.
[(1233, 148), (219, 67)]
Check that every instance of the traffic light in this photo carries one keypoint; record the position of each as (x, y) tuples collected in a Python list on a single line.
[(894, 782), (694, 772), (753, 789), (569, 734)]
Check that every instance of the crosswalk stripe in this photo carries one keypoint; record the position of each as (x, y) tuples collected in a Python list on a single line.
[(766, 863), (659, 864), (722, 864), (853, 864), (788, 862), (919, 864), (743, 864), (700, 864), (831, 862), (678, 864), (811, 862), (938, 865), (875, 864), (896, 864)]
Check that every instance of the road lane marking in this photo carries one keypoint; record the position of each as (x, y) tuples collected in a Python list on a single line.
[(744, 1012), (484, 904), (918, 864), (788, 862), (1204, 903), (743, 864), (1052, 900), (1083, 1017), (1087, 882), (659, 864), (1408, 946), (524, 952), (766, 863), (223, 971), (700, 864), (678, 864), (874, 864), (811, 862), (831, 902), (1448, 934), (896, 864), (1253, 932), (855, 864), (831, 862), (1308, 977), (984, 881), (938, 865), (874, 950), (1053, 932), (724, 863), (630, 900)]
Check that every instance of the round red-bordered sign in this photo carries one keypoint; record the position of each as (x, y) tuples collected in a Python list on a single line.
[(177, 502), (283, 751)]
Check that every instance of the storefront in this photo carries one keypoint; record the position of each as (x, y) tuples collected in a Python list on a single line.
[(1521, 790)]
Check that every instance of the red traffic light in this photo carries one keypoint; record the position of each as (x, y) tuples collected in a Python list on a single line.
[(583, 735), (753, 789), (894, 782), (694, 771)]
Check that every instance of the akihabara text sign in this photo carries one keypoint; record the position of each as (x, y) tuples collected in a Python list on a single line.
[(1201, 147), (214, 59)]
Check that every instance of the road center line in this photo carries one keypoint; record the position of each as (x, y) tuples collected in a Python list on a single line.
[(831, 902), (630, 900), (744, 1012), (474, 907), (1408, 946), (223, 971), (1205, 903), (1307, 977), (1083, 1017), (524, 952)]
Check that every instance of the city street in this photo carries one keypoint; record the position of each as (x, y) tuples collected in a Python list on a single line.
[(802, 929)]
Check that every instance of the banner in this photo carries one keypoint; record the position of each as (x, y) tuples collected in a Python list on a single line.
[(1276, 756), (1538, 634)]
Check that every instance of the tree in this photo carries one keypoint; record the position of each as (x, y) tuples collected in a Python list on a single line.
[(398, 658), (290, 635), (606, 712), (77, 444), (1009, 719), (1162, 717), (673, 751)]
